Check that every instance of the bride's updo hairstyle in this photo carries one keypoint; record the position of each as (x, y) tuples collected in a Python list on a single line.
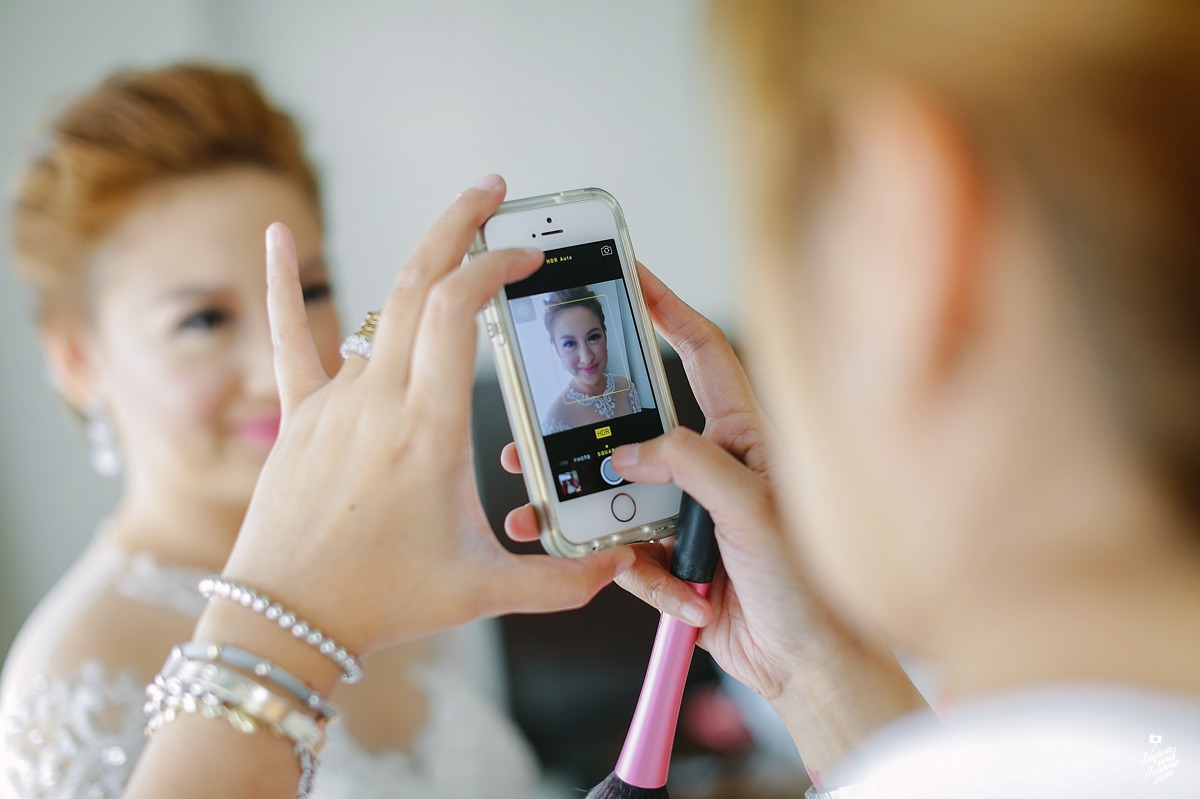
[(135, 129), (567, 299), (1094, 106)]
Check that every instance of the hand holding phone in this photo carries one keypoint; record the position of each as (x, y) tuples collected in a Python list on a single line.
[(579, 370)]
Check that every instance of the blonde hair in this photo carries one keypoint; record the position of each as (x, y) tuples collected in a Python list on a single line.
[(133, 130), (1096, 103)]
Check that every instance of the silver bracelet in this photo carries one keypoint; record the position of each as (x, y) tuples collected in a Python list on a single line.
[(260, 603), (190, 681), (248, 662), (216, 692), (308, 761)]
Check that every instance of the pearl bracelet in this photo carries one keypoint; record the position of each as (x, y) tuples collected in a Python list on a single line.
[(259, 603)]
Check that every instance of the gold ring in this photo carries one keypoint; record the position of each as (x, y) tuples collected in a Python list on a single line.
[(369, 324)]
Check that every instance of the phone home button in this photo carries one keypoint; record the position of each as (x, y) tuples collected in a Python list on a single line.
[(623, 507)]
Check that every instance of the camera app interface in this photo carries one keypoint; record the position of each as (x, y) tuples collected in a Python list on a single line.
[(583, 359)]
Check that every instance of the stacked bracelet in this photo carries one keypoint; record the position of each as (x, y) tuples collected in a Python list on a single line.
[(192, 680), (245, 661), (196, 686), (259, 603)]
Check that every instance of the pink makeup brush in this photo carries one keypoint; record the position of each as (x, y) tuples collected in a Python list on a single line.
[(641, 771)]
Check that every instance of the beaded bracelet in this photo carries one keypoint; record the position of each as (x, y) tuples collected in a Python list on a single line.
[(216, 692), (269, 672), (260, 603)]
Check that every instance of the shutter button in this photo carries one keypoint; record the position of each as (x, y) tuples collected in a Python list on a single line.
[(609, 474)]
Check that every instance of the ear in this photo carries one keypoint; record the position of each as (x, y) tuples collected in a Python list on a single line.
[(907, 200), (68, 358)]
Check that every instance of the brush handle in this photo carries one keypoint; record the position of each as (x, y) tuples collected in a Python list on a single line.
[(695, 556), (646, 756)]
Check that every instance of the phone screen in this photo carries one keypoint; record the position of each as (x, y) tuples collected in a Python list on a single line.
[(583, 360)]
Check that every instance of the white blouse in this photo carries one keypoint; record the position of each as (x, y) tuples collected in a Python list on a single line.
[(1053, 742)]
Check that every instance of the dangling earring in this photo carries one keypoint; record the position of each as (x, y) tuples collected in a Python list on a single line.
[(104, 456)]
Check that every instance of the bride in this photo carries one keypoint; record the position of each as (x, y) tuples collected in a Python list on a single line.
[(575, 321), (139, 228)]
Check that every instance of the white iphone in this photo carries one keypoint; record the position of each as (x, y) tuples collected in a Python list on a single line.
[(580, 371)]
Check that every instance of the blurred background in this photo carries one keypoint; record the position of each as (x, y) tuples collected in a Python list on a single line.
[(403, 104)]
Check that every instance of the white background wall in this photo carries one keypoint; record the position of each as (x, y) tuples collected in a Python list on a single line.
[(405, 102)]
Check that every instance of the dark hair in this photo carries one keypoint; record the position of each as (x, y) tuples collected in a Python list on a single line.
[(137, 128), (567, 299)]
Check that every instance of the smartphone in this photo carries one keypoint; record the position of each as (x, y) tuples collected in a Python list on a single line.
[(579, 370)]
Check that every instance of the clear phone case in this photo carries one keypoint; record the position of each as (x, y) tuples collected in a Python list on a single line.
[(519, 405)]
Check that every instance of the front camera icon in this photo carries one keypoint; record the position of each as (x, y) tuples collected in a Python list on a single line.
[(606, 250)]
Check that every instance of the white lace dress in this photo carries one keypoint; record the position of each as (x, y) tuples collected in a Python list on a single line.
[(604, 405), (71, 701)]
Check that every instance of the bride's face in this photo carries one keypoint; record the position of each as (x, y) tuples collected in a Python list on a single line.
[(179, 346), (580, 342)]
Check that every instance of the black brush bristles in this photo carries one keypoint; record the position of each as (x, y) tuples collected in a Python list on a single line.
[(614, 787)]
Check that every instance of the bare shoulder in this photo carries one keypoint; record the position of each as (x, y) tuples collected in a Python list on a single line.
[(620, 383), (122, 633), (77, 625)]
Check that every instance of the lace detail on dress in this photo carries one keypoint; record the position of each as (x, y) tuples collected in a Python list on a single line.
[(147, 580), (605, 404), (76, 737), (553, 425), (78, 734), (80, 739)]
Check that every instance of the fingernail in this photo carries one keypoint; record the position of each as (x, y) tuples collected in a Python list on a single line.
[(625, 456), (276, 238), (489, 183), (534, 252), (692, 613)]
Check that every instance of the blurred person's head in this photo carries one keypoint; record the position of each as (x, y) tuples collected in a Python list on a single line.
[(139, 225), (575, 320), (975, 292)]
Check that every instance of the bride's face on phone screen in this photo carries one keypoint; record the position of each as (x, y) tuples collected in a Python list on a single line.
[(179, 346), (582, 346)]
